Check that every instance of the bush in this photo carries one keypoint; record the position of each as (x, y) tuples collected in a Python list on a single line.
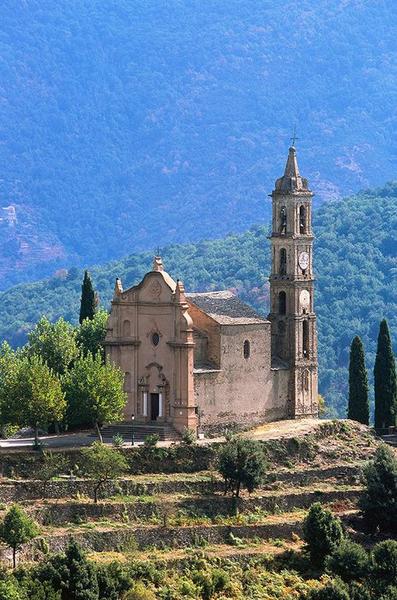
[(188, 437), (334, 590), (379, 499), (140, 592), (241, 463), (384, 563), (151, 441), (349, 561), (322, 533)]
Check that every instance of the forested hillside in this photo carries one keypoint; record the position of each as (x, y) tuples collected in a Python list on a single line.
[(127, 125), (356, 269)]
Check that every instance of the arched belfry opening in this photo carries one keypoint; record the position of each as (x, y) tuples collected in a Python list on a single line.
[(283, 261), (283, 220), (302, 219), (282, 303)]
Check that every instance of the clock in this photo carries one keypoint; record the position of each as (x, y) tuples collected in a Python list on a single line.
[(304, 299), (303, 260)]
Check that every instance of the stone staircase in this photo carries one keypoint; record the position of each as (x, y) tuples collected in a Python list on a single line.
[(165, 431)]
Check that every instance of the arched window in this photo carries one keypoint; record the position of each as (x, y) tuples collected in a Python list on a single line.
[(302, 219), (247, 349), (283, 261), (155, 339), (282, 303), (126, 328), (283, 219), (305, 340), (127, 382)]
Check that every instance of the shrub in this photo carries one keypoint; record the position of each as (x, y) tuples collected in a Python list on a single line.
[(103, 464), (188, 437), (151, 441), (349, 561), (384, 563), (139, 592), (379, 499), (322, 533), (241, 463), (334, 590)]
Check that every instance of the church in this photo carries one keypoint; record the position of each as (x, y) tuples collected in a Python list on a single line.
[(207, 361)]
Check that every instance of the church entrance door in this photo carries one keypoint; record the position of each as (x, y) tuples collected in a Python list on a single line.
[(154, 406)]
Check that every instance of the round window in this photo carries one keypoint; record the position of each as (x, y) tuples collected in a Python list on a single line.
[(155, 339)]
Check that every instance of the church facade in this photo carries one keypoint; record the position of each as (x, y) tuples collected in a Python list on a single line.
[(207, 361)]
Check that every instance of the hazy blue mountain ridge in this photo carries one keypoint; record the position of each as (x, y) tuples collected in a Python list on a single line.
[(127, 125)]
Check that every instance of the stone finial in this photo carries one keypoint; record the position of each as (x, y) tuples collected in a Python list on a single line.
[(180, 292), (118, 287), (291, 181), (158, 264)]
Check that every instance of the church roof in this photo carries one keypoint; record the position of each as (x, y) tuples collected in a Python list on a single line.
[(225, 308), (292, 181)]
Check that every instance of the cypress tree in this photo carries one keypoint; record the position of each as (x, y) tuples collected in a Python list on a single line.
[(358, 408), (88, 300), (385, 380)]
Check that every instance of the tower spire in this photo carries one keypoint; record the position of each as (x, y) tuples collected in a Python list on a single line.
[(291, 181)]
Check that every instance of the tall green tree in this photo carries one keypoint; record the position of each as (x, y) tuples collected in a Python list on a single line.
[(385, 380), (378, 500), (16, 529), (55, 343), (88, 302), (322, 532), (34, 395), (94, 392), (91, 334), (358, 407)]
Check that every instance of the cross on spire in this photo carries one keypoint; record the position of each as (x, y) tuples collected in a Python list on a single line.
[(294, 138)]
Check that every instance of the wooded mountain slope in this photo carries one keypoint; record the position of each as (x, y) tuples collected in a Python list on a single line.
[(355, 263), (127, 125)]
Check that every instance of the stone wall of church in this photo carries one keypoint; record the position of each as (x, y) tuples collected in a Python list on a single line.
[(241, 392)]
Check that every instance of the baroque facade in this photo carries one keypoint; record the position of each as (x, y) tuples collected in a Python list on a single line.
[(207, 360)]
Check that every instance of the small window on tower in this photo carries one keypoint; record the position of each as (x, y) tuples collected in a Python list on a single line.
[(282, 303), (305, 341), (155, 339), (247, 349)]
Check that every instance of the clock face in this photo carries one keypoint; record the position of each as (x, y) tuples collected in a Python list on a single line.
[(304, 299), (303, 260)]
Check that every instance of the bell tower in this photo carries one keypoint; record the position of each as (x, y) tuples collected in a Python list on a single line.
[(294, 337)]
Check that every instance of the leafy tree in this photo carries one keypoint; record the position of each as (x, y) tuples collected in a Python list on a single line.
[(241, 462), (323, 533), (54, 343), (91, 334), (52, 464), (389, 594), (385, 380), (103, 463), (88, 301), (333, 590), (17, 529), (384, 563), (34, 397), (349, 561), (378, 501), (94, 392), (358, 408)]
